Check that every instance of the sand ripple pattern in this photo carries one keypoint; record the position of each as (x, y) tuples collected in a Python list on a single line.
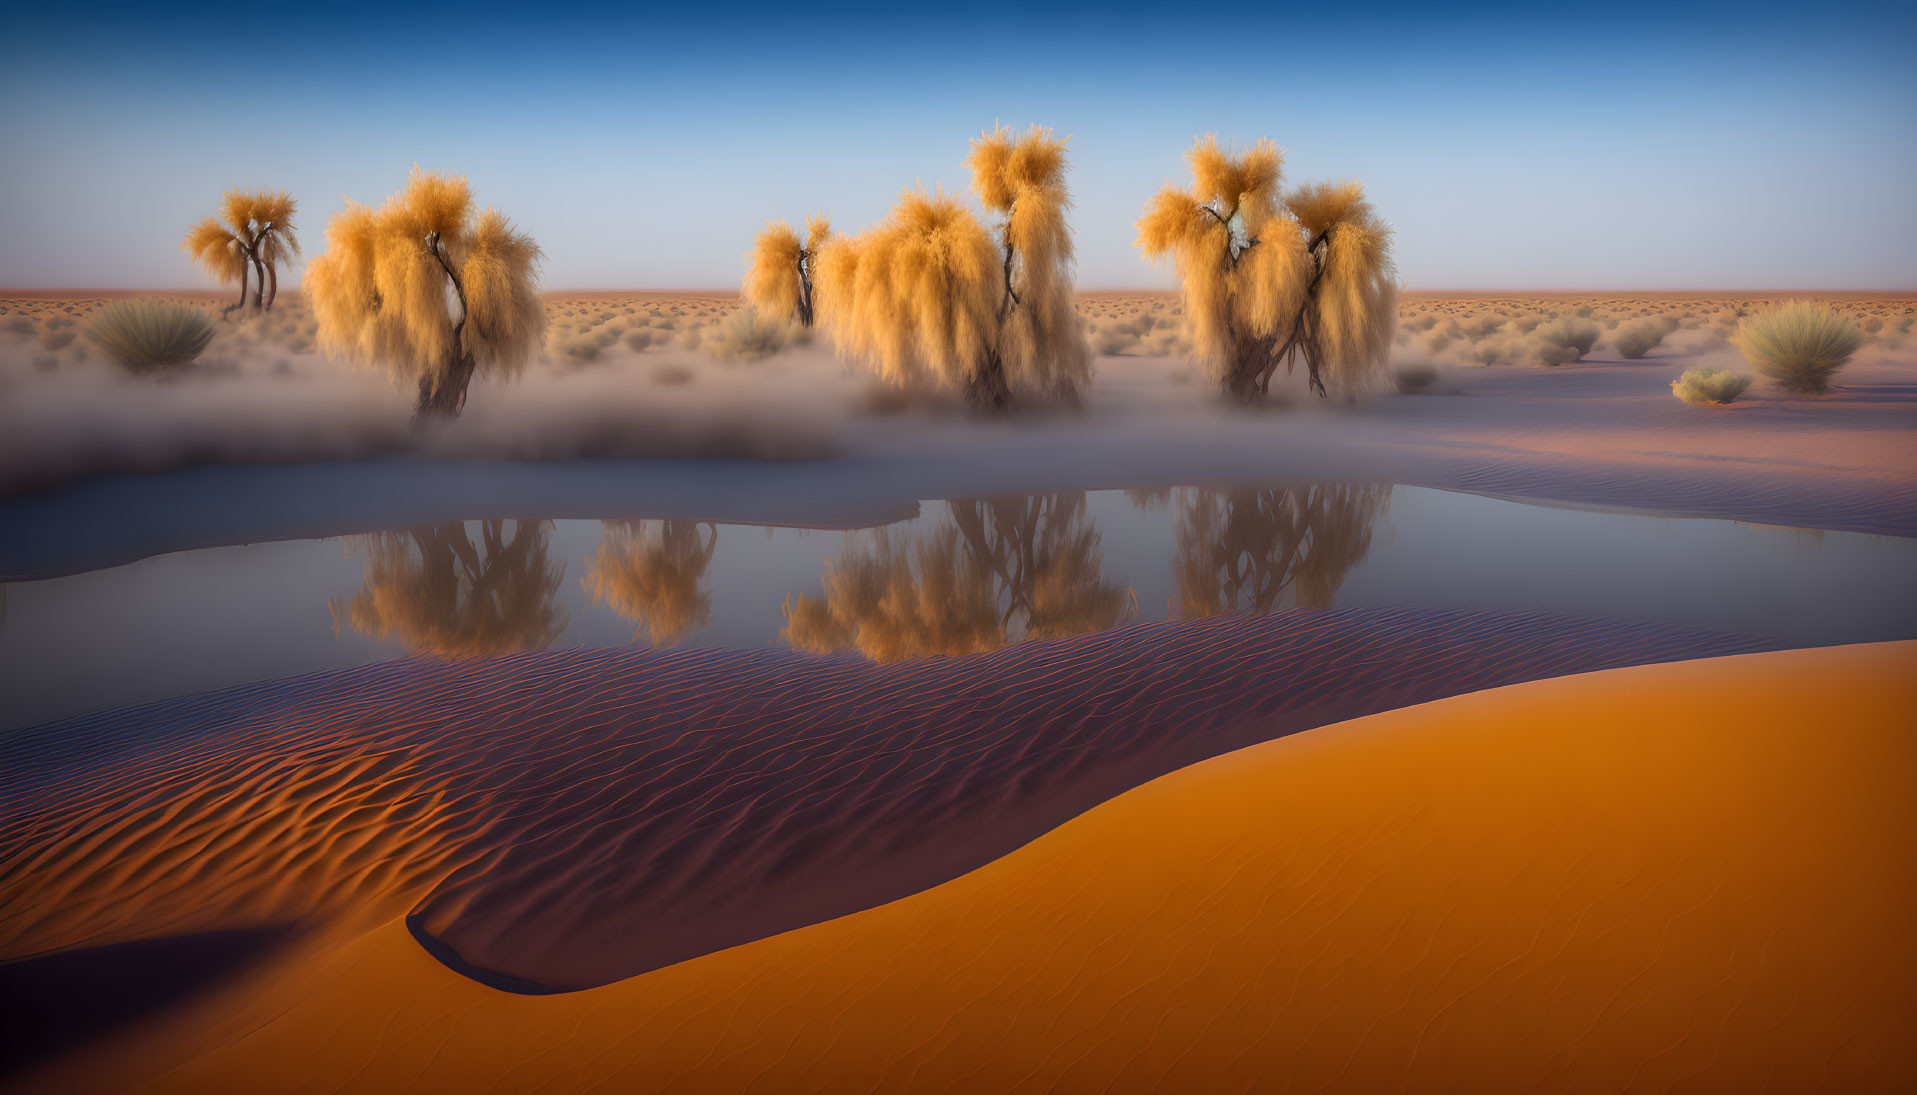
[(560, 820)]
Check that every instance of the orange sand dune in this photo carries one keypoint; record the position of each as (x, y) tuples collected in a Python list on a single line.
[(1692, 877)]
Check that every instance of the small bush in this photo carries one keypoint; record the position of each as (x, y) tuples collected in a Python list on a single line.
[(747, 336), (1800, 346), (145, 336), (1107, 341), (639, 340), (1639, 338), (1493, 351), (578, 349), (1706, 384), (1566, 339), (1414, 377)]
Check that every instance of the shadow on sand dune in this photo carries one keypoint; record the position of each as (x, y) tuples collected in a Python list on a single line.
[(57, 1001)]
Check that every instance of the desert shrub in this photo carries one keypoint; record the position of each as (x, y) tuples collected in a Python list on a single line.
[(1566, 339), (747, 336), (1493, 351), (1640, 338), (1107, 341), (1706, 384), (1162, 344), (56, 338), (639, 340), (1799, 346), (576, 349), (20, 325), (1414, 377), (144, 336), (1268, 279)]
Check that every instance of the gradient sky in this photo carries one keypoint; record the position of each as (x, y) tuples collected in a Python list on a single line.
[(1634, 146)]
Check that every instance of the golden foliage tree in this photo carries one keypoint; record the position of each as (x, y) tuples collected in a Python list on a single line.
[(253, 230), (438, 592), (778, 282), (430, 288), (1253, 549), (650, 573), (1269, 278), (990, 573), (930, 295)]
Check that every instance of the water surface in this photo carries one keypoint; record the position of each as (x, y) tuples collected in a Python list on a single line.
[(963, 576)]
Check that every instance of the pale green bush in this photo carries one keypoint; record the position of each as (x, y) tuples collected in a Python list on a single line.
[(145, 336), (1566, 339), (1799, 346), (1637, 339), (747, 336), (1706, 384)]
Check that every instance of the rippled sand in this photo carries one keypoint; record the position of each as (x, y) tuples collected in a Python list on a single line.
[(1693, 875)]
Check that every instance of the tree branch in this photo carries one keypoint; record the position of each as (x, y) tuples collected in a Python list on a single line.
[(459, 290)]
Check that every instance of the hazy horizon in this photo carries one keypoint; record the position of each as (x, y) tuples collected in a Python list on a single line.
[(1715, 148)]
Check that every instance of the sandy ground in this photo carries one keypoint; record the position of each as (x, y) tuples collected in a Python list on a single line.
[(1693, 876), (668, 430)]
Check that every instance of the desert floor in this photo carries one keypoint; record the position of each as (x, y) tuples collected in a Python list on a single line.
[(1524, 847), (1691, 876)]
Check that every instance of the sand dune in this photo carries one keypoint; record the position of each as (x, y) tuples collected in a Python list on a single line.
[(561, 820), (1687, 877)]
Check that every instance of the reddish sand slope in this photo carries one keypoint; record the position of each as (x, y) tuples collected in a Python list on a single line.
[(1689, 877), (561, 820)]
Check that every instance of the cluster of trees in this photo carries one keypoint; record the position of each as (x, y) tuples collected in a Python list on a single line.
[(253, 231), (437, 291), (1270, 277), (931, 295)]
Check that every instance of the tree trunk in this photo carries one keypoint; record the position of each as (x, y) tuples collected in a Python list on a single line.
[(259, 268), (272, 285), (443, 394), (1244, 381), (988, 390), (242, 303), (805, 290)]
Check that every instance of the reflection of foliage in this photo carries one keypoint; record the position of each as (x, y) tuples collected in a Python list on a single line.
[(1148, 499), (1247, 548), (438, 592), (651, 579), (991, 573)]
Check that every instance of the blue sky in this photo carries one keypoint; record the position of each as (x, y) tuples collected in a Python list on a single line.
[(1654, 146)]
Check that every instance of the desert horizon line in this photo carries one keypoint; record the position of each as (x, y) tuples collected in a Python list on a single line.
[(18, 290)]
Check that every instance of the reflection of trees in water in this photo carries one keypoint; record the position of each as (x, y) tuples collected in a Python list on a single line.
[(649, 572), (990, 573), (1248, 549), (437, 591)]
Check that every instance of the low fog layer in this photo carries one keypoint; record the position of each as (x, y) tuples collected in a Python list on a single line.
[(639, 377)]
